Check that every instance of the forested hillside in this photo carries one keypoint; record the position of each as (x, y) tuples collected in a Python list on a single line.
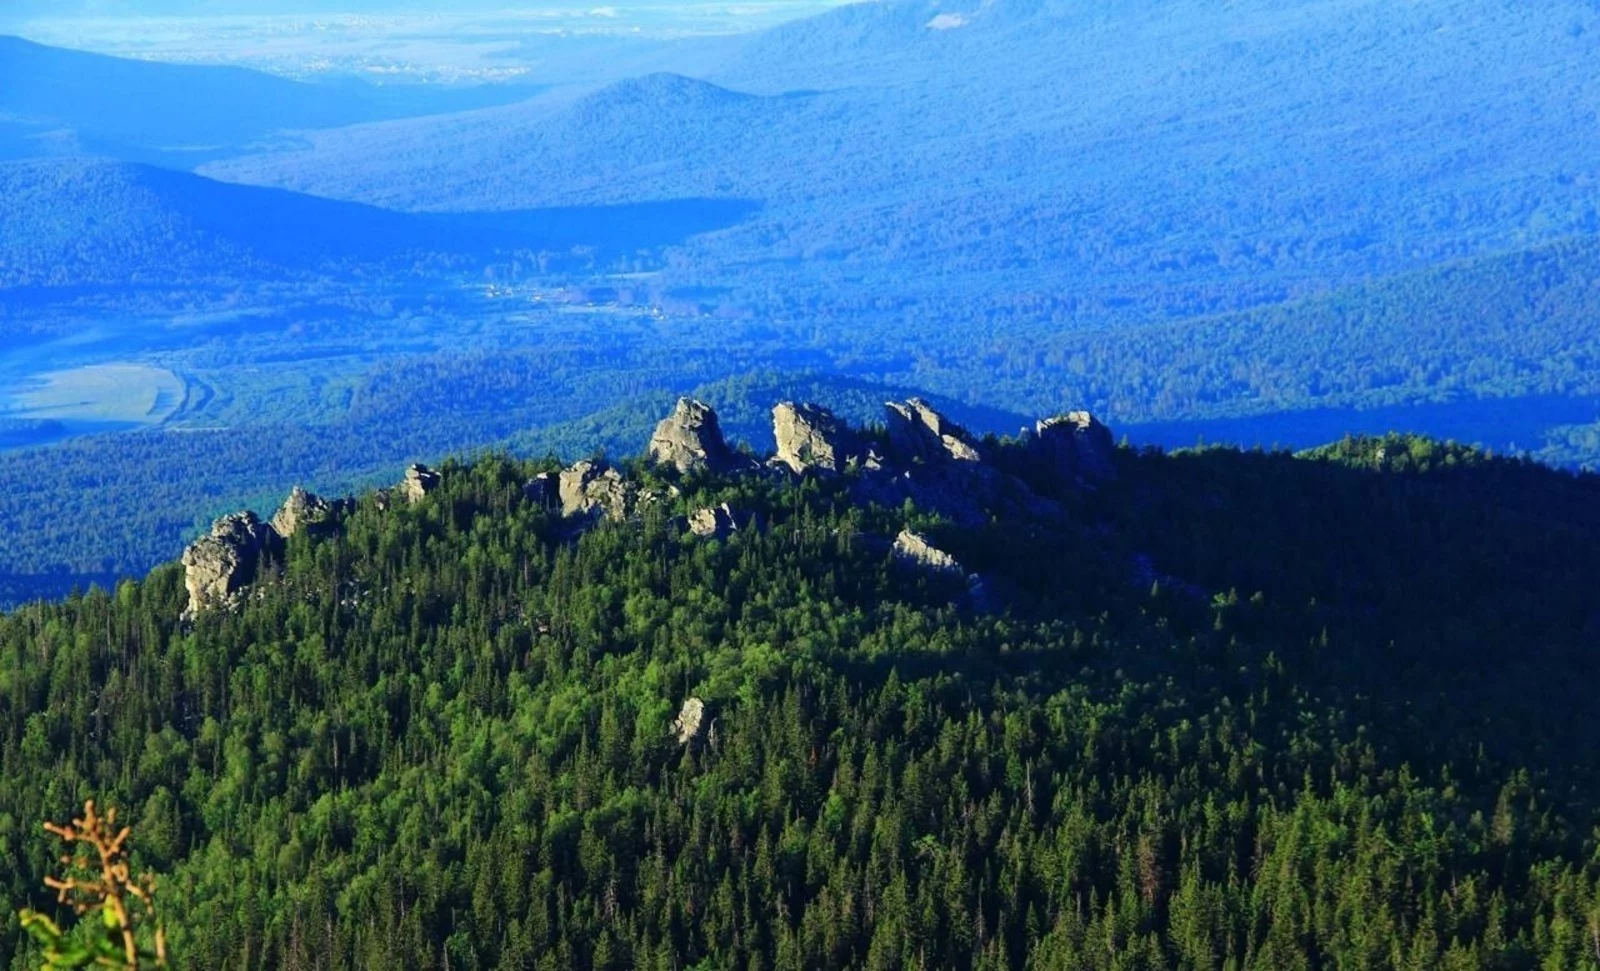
[(1228, 709)]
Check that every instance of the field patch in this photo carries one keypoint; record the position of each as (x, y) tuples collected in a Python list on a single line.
[(91, 398)]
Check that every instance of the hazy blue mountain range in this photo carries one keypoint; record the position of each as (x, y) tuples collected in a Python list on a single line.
[(76, 222), (1148, 146), (56, 102)]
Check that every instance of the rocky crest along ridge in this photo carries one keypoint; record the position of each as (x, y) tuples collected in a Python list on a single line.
[(690, 439), (919, 433), (594, 488), (813, 439), (1076, 446), (219, 565), (932, 462), (419, 481), (304, 511)]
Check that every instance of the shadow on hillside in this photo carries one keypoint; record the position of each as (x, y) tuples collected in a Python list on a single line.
[(1453, 598), (1503, 424), (1440, 614), (618, 228)]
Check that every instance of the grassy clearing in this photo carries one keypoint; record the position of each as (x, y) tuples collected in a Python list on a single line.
[(131, 393)]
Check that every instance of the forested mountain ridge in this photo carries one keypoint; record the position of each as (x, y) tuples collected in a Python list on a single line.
[(1219, 710), (100, 225)]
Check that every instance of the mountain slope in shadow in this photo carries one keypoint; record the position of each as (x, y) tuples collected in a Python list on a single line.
[(83, 222)]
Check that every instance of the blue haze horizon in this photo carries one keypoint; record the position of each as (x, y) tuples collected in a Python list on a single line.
[(386, 43)]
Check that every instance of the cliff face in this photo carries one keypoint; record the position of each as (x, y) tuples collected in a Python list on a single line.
[(811, 438), (919, 433), (691, 438), (219, 565)]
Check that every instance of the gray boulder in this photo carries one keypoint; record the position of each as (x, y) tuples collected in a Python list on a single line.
[(220, 564), (1076, 446), (690, 438), (590, 488), (419, 481), (692, 723), (713, 522), (914, 549), (810, 437), (302, 510), (918, 432)]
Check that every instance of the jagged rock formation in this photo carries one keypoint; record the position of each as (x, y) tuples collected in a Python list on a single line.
[(691, 723), (1076, 446), (221, 563), (302, 510), (918, 432), (914, 548), (810, 437), (933, 462), (594, 487), (419, 481), (690, 438), (714, 522), (936, 464)]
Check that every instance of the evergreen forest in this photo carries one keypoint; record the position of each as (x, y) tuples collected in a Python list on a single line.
[(1234, 709)]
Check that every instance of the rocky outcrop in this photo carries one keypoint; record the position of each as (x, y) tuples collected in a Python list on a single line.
[(914, 548), (303, 511), (594, 488), (223, 562), (714, 522), (690, 439), (939, 466), (812, 438), (1076, 447), (919, 433), (915, 552), (693, 722), (419, 481), (933, 463)]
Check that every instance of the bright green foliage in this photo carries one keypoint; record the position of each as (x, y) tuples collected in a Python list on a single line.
[(1238, 710), (97, 943), (117, 926)]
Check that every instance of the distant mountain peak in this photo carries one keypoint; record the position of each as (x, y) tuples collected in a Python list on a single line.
[(663, 88)]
